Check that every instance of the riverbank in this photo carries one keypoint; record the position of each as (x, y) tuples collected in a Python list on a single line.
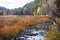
[(11, 26)]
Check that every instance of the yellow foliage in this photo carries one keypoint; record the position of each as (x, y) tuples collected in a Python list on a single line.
[(38, 10), (34, 12)]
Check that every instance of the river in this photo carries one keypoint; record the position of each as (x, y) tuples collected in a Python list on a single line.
[(37, 32)]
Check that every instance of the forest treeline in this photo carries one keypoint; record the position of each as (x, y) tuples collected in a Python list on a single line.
[(28, 9)]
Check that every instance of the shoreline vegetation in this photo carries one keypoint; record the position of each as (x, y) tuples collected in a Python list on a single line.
[(13, 25)]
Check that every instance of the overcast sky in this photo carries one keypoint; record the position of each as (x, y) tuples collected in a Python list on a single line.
[(11, 4)]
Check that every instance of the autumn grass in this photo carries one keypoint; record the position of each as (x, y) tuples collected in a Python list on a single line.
[(11, 26), (53, 34)]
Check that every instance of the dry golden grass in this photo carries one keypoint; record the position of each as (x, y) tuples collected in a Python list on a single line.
[(53, 34), (57, 20), (11, 26)]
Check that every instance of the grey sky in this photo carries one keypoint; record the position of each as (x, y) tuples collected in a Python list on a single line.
[(11, 4)]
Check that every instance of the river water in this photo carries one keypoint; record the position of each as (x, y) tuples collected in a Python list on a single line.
[(37, 32)]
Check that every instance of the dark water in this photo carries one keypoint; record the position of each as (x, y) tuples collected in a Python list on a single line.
[(37, 33)]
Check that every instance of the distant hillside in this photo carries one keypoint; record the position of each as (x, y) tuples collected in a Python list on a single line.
[(16, 11), (28, 9), (32, 6), (2, 9)]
